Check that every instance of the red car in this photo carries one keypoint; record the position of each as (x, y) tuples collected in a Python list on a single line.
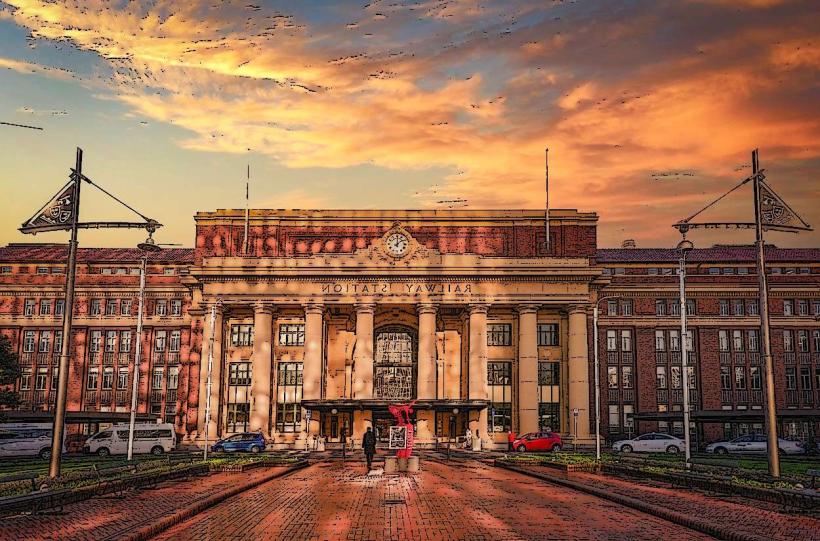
[(538, 441)]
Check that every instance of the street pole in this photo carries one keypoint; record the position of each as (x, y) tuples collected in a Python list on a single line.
[(597, 368), (208, 384), (763, 293), (68, 315), (684, 246), (137, 359)]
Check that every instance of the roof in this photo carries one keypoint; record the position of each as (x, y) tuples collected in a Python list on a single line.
[(718, 253), (53, 253)]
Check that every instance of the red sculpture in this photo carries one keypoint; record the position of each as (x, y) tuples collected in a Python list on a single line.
[(402, 414)]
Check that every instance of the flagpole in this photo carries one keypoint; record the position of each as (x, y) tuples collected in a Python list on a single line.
[(547, 201), (68, 315), (763, 292), (247, 208)]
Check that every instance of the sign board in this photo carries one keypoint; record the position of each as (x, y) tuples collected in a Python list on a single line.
[(398, 437), (307, 417), (576, 412)]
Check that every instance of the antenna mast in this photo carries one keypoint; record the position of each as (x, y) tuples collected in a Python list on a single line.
[(547, 201), (247, 209)]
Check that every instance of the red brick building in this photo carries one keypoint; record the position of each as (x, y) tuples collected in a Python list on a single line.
[(473, 292)]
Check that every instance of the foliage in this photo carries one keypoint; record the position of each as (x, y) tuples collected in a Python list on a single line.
[(9, 372)]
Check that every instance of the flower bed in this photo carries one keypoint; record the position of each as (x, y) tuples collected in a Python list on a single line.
[(567, 462), (240, 464)]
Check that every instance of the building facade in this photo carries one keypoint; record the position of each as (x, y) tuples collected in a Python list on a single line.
[(317, 321)]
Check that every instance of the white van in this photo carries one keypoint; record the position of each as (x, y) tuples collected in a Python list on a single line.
[(151, 438), (26, 439)]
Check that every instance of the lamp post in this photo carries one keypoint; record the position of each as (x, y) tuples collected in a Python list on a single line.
[(597, 369), (148, 246), (452, 431), (208, 384), (684, 247)]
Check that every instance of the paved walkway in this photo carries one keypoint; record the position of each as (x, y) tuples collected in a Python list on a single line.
[(472, 501), (110, 518)]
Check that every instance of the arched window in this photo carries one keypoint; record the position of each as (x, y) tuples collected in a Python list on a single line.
[(394, 368)]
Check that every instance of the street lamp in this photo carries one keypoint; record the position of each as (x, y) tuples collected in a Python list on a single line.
[(684, 247), (147, 247)]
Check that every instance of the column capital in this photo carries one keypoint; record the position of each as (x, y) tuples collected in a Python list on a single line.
[(427, 308), (365, 307), (527, 308), (263, 307), (314, 308), (478, 308), (577, 308), (220, 308)]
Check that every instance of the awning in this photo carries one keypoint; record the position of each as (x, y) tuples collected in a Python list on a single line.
[(350, 405), (77, 417)]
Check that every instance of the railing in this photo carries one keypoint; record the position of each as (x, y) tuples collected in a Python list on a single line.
[(742, 396), (612, 357), (24, 397), (44, 359), (792, 398), (663, 396), (40, 397), (725, 396), (123, 358), (788, 357), (626, 357), (660, 357), (173, 357), (628, 395), (755, 358), (91, 396), (108, 358), (55, 357), (675, 357), (757, 397), (171, 396), (805, 358), (122, 398), (26, 357), (740, 358), (808, 397), (159, 357), (676, 396), (725, 357), (105, 396), (156, 396)]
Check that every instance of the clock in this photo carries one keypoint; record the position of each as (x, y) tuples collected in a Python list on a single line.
[(397, 244)]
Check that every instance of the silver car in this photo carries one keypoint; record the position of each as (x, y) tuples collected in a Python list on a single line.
[(755, 444), (653, 442)]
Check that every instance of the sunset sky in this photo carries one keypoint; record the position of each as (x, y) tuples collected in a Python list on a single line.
[(649, 108)]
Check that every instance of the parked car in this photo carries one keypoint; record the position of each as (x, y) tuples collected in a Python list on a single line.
[(26, 439), (538, 441), (755, 443), (653, 442), (154, 438), (251, 442)]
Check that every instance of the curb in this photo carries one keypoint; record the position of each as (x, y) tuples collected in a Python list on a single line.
[(151, 530), (651, 509)]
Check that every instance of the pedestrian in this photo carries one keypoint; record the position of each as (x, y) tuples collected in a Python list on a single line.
[(369, 446), (510, 440), (468, 439)]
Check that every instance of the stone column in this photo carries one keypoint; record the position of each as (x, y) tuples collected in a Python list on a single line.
[(578, 353), (312, 364), (478, 365), (363, 353), (527, 368), (260, 373), (427, 351), (216, 371)]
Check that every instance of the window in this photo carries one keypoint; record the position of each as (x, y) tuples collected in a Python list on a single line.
[(122, 379), (547, 334), (5, 269), (723, 340), (288, 416), (549, 416), (108, 378), (660, 377), (292, 334), (691, 307), (499, 373), (93, 379), (25, 379), (125, 341), (725, 379), (159, 340), (28, 309), (134, 271), (612, 377), (242, 335), (238, 415), (58, 342), (499, 334), (239, 373), (111, 307), (96, 341), (157, 376), (743, 270), (45, 307), (289, 393), (28, 342), (752, 308), (614, 416), (45, 339), (737, 340), (674, 308), (174, 341), (660, 307), (626, 340), (59, 307), (755, 377), (817, 376), (42, 270), (740, 378), (110, 341), (805, 378), (161, 307), (500, 418), (176, 307), (106, 271), (629, 422), (815, 337), (788, 307), (815, 308), (611, 341), (125, 307), (728, 270), (802, 307), (626, 307), (612, 308), (788, 341), (738, 308), (549, 373), (803, 340), (626, 377), (96, 307), (791, 379), (753, 339), (660, 341), (714, 270), (724, 307), (652, 270), (168, 271), (42, 379), (675, 377), (674, 340), (499, 381), (690, 372), (173, 377)]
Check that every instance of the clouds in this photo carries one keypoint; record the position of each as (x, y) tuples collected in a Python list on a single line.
[(616, 91)]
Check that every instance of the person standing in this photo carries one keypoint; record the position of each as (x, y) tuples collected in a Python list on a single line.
[(510, 440), (369, 446)]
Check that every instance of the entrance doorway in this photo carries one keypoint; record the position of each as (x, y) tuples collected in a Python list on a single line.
[(450, 425), (382, 421), (332, 425)]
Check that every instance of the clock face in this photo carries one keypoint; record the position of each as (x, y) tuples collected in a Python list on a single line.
[(397, 244)]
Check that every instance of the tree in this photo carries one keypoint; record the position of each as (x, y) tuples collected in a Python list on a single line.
[(9, 372)]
